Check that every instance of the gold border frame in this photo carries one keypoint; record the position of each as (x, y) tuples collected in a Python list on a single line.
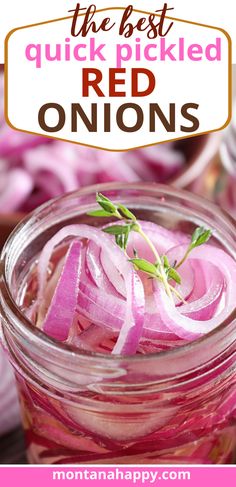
[(132, 148)]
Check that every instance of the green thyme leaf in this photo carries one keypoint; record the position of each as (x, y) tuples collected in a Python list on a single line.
[(106, 204), (119, 241), (166, 262), (117, 229), (200, 236), (101, 197), (108, 207), (122, 240), (126, 213), (135, 227), (145, 266), (99, 213), (170, 271), (121, 233), (173, 274)]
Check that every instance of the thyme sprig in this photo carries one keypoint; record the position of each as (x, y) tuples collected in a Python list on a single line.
[(161, 269), (199, 237)]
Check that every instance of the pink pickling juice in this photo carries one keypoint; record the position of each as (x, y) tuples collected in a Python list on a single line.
[(119, 318)]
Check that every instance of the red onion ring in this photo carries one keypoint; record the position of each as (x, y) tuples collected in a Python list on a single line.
[(132, 327), (59, 318), (129, 307)]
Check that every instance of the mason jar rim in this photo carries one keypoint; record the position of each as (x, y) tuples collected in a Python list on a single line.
[(67, 350)]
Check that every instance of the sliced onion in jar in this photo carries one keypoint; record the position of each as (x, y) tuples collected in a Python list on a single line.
[(59, 317), (132, 326), (184, 326)]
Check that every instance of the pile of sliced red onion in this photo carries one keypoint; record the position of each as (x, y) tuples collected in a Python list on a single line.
[(94, 298), (9, 406), (34, 169)]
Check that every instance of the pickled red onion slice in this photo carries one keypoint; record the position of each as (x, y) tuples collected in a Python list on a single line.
[(132, 326), (182, 325), (205, 307), (95, 338), (100, 307), (59, 318), (122, 307), (96, 271)]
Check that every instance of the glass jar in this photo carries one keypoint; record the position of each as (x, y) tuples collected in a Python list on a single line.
[(225, 188), (201, 154), (177, 406)]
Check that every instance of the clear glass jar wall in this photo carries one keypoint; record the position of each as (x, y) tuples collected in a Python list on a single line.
[(172, 407)]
